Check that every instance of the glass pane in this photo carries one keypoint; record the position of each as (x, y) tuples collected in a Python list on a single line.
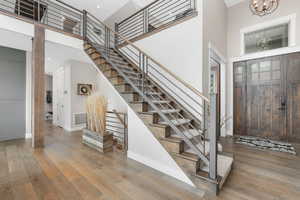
[(265, 66), (238, 78), (254, 67), (267, 39), (276, 75), (276, 64), (255, 77), (239, 70), (265, 76)]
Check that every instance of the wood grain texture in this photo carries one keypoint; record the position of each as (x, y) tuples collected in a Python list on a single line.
[(38, 86), (66, 169)]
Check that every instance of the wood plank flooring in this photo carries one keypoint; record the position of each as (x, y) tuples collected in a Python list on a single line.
[(65, 169)]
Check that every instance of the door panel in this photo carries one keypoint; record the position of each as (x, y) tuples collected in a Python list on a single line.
[(264, 90), (239, 98), (293, 96)]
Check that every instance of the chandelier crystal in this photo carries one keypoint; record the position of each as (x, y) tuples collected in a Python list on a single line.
[(263, 7)]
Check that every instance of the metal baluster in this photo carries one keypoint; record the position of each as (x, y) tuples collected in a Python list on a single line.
[(84, 25), (39, 10), (19, 7), (146, 20), (213, 129), (116, 36)]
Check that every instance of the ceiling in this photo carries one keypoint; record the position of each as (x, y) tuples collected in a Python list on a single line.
[(106, 7), (55, 59), (230, 3)]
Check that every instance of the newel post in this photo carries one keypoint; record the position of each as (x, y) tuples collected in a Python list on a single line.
[(213, 132)]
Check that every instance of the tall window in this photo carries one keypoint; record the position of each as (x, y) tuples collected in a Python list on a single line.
[(267, 39)]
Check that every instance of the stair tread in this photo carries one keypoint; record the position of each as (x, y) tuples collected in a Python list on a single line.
[(172, 139), (178, 122), (154, 93), (188, 156), (162, 101), (166, 111)]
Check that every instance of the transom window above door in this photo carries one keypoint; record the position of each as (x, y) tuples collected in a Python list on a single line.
[(267, 39), (269, 35)]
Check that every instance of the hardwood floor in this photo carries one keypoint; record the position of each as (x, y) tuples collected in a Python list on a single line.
[(66, 169)]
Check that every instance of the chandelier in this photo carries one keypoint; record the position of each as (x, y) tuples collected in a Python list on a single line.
[(263, 7)]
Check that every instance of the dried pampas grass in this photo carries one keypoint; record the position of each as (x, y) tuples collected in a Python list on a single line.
[(96, 109)]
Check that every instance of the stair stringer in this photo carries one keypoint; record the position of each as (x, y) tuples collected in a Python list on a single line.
[(161, 160)]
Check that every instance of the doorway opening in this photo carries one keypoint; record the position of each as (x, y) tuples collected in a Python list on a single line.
[(217, 83)]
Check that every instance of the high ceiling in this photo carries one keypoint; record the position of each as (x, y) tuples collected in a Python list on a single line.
[(230, 3), (104, 8), (100, 8)]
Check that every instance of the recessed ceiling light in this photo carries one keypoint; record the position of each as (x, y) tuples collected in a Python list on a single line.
[(98, 6)]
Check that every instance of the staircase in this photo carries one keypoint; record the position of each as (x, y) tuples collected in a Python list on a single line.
[(146, 86)]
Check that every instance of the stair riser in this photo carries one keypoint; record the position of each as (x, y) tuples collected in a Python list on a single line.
[(95, 56), (100, 61), (86, 46), (123, 88), (90, 51), (172, 147), (189, 165), (117, 80), (161, 131), (131, 97), (109, 73), (139, 107)]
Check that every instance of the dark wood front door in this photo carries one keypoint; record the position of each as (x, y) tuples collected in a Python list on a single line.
[(267, 97), (293, 97)]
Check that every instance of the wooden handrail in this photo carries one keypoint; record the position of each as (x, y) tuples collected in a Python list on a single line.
[(196, 91)]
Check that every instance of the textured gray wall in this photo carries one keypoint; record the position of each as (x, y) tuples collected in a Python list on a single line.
[(12, 93)]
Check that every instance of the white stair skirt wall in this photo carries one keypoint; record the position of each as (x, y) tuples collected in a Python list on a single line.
[(144, 148)]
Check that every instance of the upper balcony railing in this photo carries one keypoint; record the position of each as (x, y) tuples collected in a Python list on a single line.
[(155, 16), (53, 13)]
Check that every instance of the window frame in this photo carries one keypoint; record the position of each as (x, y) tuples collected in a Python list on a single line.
[(290, 20)]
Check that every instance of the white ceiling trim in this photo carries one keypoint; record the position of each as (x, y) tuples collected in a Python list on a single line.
[(230, 3)]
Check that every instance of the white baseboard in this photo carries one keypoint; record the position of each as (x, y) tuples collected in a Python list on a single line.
[(28, 135), (157, 166)]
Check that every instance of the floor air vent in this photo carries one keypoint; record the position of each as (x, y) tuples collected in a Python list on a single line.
[(79, 118)]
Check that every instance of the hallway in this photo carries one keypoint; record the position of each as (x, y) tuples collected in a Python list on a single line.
[(66, 169)]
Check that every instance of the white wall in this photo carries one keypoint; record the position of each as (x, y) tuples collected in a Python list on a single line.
[(28, 93), (180, 49)]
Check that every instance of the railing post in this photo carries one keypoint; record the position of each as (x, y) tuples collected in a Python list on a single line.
[(107, 40), (213, 129), (19, 7), (146, 20), (84, 25), (116, 36), (39, 10)]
